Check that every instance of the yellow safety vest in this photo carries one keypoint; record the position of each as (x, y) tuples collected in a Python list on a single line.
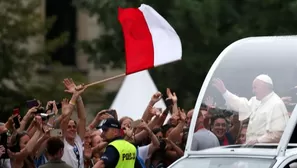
[(127, 153)]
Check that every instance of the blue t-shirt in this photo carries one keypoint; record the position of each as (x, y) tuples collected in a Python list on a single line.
[(40, 161)]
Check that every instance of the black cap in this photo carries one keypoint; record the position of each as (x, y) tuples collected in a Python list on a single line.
[(109, 123)]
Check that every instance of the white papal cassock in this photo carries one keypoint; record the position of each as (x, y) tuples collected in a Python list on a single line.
[(268, 117)]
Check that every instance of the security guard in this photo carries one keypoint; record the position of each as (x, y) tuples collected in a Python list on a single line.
[(119, 153)]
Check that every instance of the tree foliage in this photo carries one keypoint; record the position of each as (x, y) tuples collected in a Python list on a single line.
[(205, 27), (23, 51)]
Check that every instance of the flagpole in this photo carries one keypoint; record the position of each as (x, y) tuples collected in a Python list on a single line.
[(105, 80)]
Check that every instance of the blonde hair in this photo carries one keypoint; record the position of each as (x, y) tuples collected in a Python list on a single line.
[(125, 118)]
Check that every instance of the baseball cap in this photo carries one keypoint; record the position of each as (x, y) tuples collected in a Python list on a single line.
[(109, 123)]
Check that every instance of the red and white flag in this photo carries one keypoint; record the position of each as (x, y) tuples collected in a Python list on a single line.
[(150, 41)]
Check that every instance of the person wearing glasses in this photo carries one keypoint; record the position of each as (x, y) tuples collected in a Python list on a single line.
[(55, 151), (119, 153), (73, 131)]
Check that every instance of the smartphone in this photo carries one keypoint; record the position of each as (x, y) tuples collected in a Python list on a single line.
[(32, 103), (112, 113), (44, 116), (16, 111), (136, 123), (59, 106), (16, 122), (168, 102), (56, 132)]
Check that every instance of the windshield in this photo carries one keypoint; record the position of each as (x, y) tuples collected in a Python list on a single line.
[(224, 163), (248, 94)]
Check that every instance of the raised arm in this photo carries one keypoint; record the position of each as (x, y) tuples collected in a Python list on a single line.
[(235, 127), (176, 152), (239, 104), (155, 144), (99, 117), (52, 121), (99, 147), (28, 150), (26, 118), (81, 113), (67, 110), (77, 100), (147, 116), (41, 144), (173, 97), (175, 133)]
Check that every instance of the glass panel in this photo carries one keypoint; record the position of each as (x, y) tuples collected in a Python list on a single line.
[(251, 84), (224, 163)]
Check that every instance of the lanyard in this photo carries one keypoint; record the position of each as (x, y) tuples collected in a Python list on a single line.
[(76, 152)]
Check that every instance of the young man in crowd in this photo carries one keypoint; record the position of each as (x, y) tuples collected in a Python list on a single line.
[(55, 150)]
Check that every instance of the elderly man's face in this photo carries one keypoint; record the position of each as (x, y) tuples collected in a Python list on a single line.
[(260, 89)]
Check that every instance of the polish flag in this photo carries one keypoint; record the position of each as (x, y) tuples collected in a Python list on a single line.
[(150, 41)]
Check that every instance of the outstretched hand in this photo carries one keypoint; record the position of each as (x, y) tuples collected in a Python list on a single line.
[(67, 108), (171, 95), (219, 85), (156, 97), (71, 87)]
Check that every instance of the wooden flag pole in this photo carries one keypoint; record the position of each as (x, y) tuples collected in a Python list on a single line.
[(105, 80)]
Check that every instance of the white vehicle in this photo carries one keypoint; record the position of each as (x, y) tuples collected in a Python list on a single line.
[(237, 66)]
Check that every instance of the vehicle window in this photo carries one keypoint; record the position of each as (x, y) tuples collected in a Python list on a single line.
[(255, 84), (224, 163), (293, 165)]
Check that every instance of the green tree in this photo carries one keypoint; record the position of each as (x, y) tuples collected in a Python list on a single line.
[(205, 27), (22, 29)]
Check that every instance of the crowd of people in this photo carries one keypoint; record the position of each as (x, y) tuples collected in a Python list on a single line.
[(50, 137)]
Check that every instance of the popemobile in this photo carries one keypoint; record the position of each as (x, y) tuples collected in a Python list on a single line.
[(251, 77)]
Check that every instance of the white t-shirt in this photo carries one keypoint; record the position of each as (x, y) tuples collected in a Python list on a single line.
[(143, 152), (5, 163), (70, 157)]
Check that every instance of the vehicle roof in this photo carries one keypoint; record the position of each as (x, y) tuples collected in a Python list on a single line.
[(258, 151)]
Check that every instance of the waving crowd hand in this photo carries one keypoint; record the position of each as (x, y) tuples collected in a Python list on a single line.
[(59, 131)]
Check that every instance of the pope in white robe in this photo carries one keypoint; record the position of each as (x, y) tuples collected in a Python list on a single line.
[(266, 111)]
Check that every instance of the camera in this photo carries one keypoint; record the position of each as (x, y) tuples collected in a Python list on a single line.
[(45, 116), (162, 144), (59, 106), (40, 110)]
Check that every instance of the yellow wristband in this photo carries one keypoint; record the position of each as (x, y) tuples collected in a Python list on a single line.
[(72, 103)]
